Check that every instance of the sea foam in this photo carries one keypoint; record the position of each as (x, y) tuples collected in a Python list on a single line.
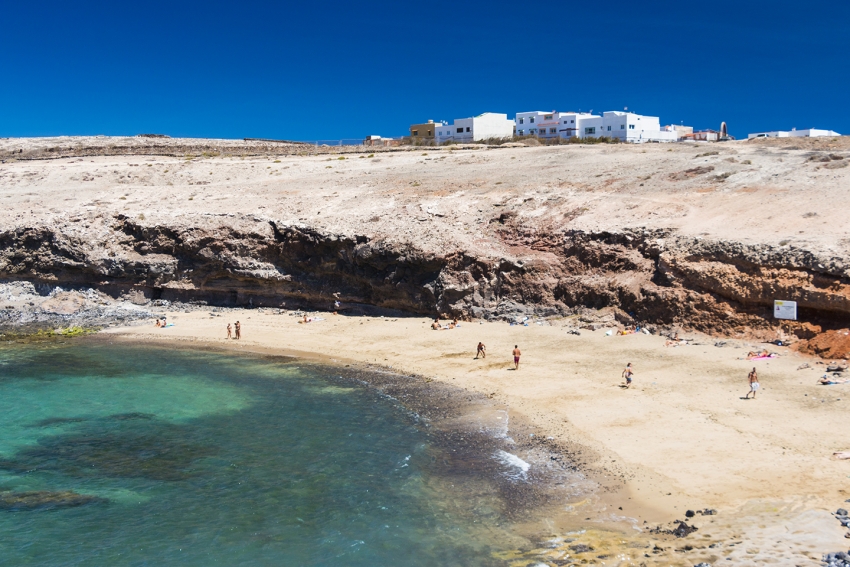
[(517, 467)]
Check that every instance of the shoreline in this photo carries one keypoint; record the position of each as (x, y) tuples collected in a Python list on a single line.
[(646, 489)]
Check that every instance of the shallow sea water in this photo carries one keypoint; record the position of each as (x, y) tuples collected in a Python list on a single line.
[(211, 459)]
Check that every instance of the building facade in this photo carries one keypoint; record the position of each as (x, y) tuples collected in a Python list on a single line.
[(794, 133), (379, 141), (631, 127), (476, 128), (426, 130), (624, 126)]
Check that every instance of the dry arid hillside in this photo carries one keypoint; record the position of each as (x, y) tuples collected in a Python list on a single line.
[(702, 236)]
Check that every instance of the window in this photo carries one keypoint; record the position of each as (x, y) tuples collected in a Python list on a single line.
[(521, 120), (531, 120), (547, 117), (532, 131), (553, 130), (609, 128), (519, 132), (631, 126), (460, 130), (622, 126), (468, 129), (589, 131), (571, 121)]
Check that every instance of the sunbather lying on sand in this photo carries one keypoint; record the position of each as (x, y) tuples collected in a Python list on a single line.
[(764, 353), (825, 381), (305, 320)]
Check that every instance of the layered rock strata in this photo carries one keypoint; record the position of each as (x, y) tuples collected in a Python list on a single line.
[(653, 277)]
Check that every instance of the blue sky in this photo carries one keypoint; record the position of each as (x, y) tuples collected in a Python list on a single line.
[(322, 70)]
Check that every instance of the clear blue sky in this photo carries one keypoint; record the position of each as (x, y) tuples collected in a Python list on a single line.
[(312, 70)]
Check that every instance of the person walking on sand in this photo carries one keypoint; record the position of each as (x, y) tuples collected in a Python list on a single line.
[(481, 351), (238, 328), (517, 354), (229, 334), (753, 377), (627, 374)]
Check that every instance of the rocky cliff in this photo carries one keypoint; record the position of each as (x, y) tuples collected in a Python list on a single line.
[(647, 276), (659, 235)]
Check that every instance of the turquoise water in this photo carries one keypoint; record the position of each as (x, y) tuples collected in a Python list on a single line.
[(210, 459)]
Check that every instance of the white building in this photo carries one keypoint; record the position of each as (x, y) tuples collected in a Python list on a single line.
[(550, 124), (625, 126), (481, 127), (631, 127), (794, 133)]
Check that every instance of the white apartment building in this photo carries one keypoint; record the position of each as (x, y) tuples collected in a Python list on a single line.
[(794, 133), (625, 126), (629, 127), (550, 124), (574, 124), (481, 127)]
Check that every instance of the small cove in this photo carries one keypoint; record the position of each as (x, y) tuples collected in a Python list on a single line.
[(199, 458)]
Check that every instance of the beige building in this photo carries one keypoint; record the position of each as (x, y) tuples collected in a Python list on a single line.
[(425, 131)]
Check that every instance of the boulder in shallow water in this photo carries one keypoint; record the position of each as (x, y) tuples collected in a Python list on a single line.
[(44, 500)]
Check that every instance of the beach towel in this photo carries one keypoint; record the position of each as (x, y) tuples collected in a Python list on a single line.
[(761, 357)]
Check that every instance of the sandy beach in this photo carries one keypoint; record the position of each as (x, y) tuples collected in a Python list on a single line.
[(680, 438)]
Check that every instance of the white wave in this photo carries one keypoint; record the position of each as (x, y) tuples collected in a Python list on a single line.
[(518, 467)]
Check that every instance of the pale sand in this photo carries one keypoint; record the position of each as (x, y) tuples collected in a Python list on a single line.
[(680, 438)]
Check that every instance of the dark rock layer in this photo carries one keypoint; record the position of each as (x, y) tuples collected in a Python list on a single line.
[(650, 277)]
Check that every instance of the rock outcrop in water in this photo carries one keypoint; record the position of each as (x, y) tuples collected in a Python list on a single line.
[(44, 500)]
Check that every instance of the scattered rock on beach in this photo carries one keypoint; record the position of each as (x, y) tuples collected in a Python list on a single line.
[(839, 559), (681, 530)]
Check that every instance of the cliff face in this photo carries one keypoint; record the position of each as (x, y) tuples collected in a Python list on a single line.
[(648, 276), (699, 236)]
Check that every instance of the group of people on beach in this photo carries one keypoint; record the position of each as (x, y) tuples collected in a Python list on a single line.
[(236, 327), (481, 352), (437, 327)]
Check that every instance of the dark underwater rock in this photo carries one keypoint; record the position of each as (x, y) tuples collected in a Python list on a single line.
[(44, 500)]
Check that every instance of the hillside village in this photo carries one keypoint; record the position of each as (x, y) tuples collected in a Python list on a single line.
[(613, 126)]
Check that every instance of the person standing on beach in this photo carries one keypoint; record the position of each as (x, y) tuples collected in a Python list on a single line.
[(517, 354), (753, 377), (228, 331), (627, 374), (481, 351), (238, 329)]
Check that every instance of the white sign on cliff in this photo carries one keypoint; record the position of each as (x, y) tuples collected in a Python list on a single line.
[(785, 310)]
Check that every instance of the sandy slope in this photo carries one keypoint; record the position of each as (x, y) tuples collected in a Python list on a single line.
[(681, 438), (442, 198)]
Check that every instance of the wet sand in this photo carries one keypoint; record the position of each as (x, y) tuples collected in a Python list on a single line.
[(681, 438)]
